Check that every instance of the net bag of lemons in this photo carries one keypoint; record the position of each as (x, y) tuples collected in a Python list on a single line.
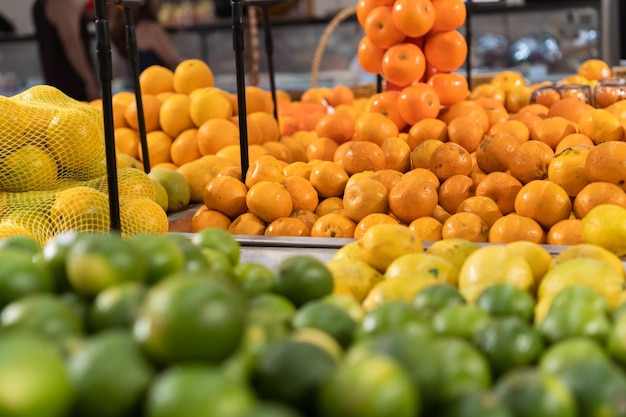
[(53, 171)]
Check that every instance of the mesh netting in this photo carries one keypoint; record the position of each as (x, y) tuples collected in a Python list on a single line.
[(53, 171)]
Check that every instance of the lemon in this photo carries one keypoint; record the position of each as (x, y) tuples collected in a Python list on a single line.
[(491, 265), (402, 288), (82, 209), (350, 251), (454, 250), (29, 168), (605, 226), (536, 255), (382, 243), (588, 250), (415, 263), (161, 196), (353, 277), (176, 186)]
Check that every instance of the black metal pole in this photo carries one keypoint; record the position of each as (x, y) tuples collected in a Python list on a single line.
[(105, 75), (379, 83), (133, 63), (269, 49), (468, 39), (238, 45)]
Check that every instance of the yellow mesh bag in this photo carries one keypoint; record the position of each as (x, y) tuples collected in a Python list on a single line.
[(53, 171)]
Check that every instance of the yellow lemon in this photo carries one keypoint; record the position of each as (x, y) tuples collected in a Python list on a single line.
[(416, 263), (605, 225), (536, 255), (353, 277), (382, 243), (588, 250), (398, 289)]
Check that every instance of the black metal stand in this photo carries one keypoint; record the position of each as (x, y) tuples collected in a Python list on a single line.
[(105, 76), (133, 63), (379, 83), (240, 73)]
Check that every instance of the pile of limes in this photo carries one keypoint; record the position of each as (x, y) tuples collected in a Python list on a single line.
[(180, 326)]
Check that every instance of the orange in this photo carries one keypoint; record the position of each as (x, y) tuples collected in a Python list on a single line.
[(374, 127), (267, 124), (321, 148), (569, 108), (264, 168), (552, 129), (340, 94), (333, 225), (363, 156), (566, 232), (192, 74), (247, 224), (570, 141), (279, 151), (508, 80), (126, 141), (517, 98), (185, 147), (363, 7), (495, 152), (380, 29), (489, 90), (329, 205), (512, 127), (403, 64), (287, 226), (534, 198), (427, 129), (297, 149), (329, 179), (417, 102), (215, 134), (450, 159), (445, 51), (230, 171), (413, 18), (467, 226), (404, 196), (198, 173), (605, 162), (600, 125), (370, 56), (388, 177), (466, 131), (159, 145), (594, 69), (204, 218), (467, 108), (386, 103), (483, 206), (168, 165), (597, 193), (258, 99), (123, 98), (545, 95), (397, 154), (227, 195), (567, 169), (307, 217), (298, 168), (365, 196), (528, 118), (427, 228), (513, 228), (440, 214), (303, 195), (156, 79), (423, 174), (420, 156), (151, 112), (209, 103), (451, 87), (501, 188), (371, 220), (497, 115), (314, 95), (337, 126), (454, 190), (269, 200), (449, 14), (530, 161), (174, 114)]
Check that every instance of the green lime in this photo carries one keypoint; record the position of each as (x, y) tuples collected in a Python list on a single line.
[(302, 278), (219, 263), (163, 256), (77, 303), (271, 305), (187, 317), (478, 403), (569, 350), (24, 243), (616, 342), (109, 362), (33, 379), (461, 320), (348, 304), (117, 306), (462, 368), (45, 315), (194, 258), (218, 239), (54, 255), (97, 261), (20, 276), (320, 339), (528, 392), (197, 390), (375, 386), (504, 299), (619, 311), (328, 318), (394, 315), (508, 343), (271, 409), (414, 352), (291, 372), (598, 385), (253, 278), (435, 297), (582, 294), (575, 319)]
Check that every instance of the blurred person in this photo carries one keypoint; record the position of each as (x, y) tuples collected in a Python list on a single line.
[(154, 45), (61, 29)]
